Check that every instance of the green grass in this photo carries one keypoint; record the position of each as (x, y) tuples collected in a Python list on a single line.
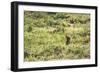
[(45, 36)]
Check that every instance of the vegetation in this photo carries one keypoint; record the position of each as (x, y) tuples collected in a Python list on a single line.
[(56, 35)]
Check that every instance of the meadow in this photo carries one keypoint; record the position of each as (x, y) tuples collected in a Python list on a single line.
[(56, 36)]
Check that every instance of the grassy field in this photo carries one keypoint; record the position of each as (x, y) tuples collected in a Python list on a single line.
[(56, 36)]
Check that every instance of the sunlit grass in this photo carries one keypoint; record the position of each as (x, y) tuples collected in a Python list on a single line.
[(50, 40)]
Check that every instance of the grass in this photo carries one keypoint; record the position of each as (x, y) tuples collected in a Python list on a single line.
[(46, 40)]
